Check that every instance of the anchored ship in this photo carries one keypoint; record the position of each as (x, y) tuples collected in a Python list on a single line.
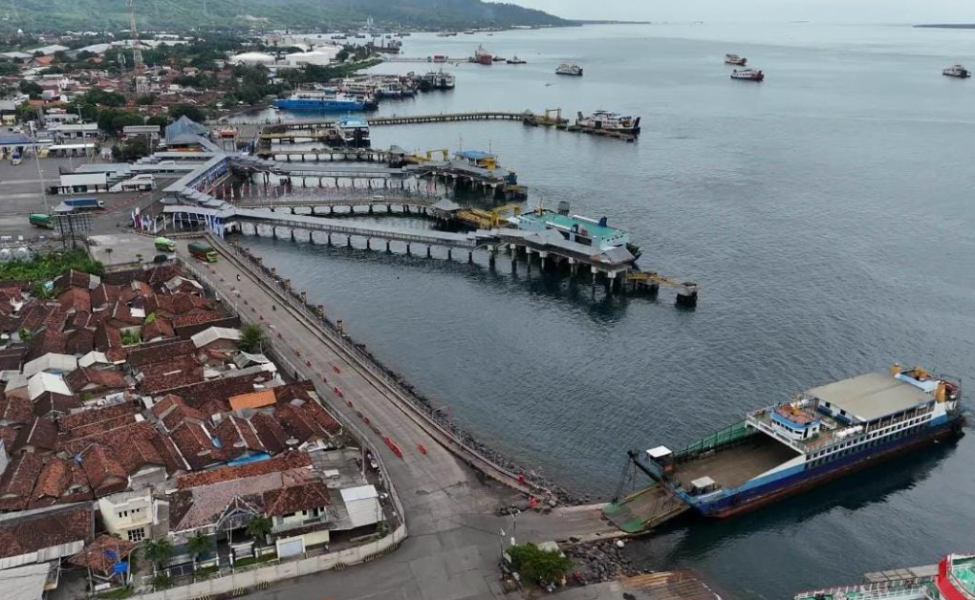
[(569, 69), (608, 121), (321, 101), (734, 59), (953, 579), (748, 75), (482, 56), (821, 434), (957, 71)]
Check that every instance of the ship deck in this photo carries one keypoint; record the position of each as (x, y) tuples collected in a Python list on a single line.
[(734, 466)]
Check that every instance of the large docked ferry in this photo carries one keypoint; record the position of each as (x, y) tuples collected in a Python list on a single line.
[(609, 121), (821, 434), (953, 579), (321, 101)]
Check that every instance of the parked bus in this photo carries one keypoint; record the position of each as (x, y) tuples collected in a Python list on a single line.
[(204, 252), (165, 244), (81, 204)]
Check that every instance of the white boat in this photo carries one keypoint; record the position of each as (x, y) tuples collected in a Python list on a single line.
[(734, 59), (748, 75), (354, 132), (957, 71), (569, 69), (609, 121), (437, 80)]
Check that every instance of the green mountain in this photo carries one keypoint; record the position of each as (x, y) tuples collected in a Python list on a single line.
[(181, 15)]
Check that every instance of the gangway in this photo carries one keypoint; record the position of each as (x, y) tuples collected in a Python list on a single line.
[(645, 509)]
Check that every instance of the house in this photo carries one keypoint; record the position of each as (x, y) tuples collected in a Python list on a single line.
[(131, 516), (91, 382), (45, 534), (221, 339)]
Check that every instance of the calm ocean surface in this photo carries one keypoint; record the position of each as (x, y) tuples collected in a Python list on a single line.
[(827, 213)]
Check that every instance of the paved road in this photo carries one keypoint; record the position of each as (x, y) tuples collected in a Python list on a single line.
[(454, 543)]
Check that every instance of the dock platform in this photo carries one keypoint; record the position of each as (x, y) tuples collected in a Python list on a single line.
[(645, 509)]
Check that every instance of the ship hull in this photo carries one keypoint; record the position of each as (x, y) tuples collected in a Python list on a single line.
[(319, 105), (802, 481)]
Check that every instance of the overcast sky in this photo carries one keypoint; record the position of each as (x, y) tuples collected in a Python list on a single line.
[(834, 11)]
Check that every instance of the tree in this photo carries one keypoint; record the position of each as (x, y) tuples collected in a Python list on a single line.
[(131, 150), (193, 113), (30, 88), (157, 551), (199, 543), (145, 100), (252, 338), (535, 564), (259, 527), (160, 120)]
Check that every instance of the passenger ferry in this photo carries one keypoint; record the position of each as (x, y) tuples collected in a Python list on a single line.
[(437, 80), (821, 434), (321, 101), (748, 75), (354, 132), (734, 59), (610, 122), (569, 69), (957, 71), (953, 579)]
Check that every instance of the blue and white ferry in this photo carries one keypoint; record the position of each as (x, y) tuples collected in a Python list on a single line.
[(321, 101), (823, 433)]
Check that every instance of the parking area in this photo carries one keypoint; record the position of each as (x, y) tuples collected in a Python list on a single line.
[(22, 193)]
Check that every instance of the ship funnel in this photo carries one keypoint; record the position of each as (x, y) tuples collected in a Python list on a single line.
[(940, 392), (896, 369)]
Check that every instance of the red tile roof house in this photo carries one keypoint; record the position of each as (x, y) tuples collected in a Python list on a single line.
[(89, 383), (46, 534), (294, 498)]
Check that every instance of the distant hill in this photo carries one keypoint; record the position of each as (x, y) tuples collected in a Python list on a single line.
[(100, 15)]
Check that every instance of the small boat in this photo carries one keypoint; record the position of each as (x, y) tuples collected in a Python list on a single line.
[(608, 121), (734, 59), (516, 61), (569, 69), (482, 56), (957, 71), (748, 75)]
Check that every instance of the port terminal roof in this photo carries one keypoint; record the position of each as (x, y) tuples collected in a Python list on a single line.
[(871, 396)]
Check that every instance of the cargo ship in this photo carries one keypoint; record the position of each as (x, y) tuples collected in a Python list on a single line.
[(821, 434), (953, 578), (483, 57)]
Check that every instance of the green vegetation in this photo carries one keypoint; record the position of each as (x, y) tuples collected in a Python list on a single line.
[(130, 337), (259, 526), (130, 150), (252, 339), (49, 266), (205, 572), (254, 560), (99, 15), (537, 565), (199, 543), (161, 581), (157, 552)]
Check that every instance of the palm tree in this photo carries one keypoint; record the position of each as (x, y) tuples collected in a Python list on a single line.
[(259, 526), (157, 551), (252, 338), (199, 543)]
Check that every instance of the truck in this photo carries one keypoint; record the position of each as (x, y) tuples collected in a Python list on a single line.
[(165, 244), (42, 221), (202, 251), (81, 204)]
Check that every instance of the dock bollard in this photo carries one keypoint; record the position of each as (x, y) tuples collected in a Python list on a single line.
[(687, 295)]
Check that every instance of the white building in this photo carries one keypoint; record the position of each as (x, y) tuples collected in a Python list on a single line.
[(251, 59), (319, 56), (75, 131), (130, 515)]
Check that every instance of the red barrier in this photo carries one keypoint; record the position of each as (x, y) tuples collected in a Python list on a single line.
[(349, 402), (392, 446), (338, 392), (421, 448), (324, 379), (336, 369)]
